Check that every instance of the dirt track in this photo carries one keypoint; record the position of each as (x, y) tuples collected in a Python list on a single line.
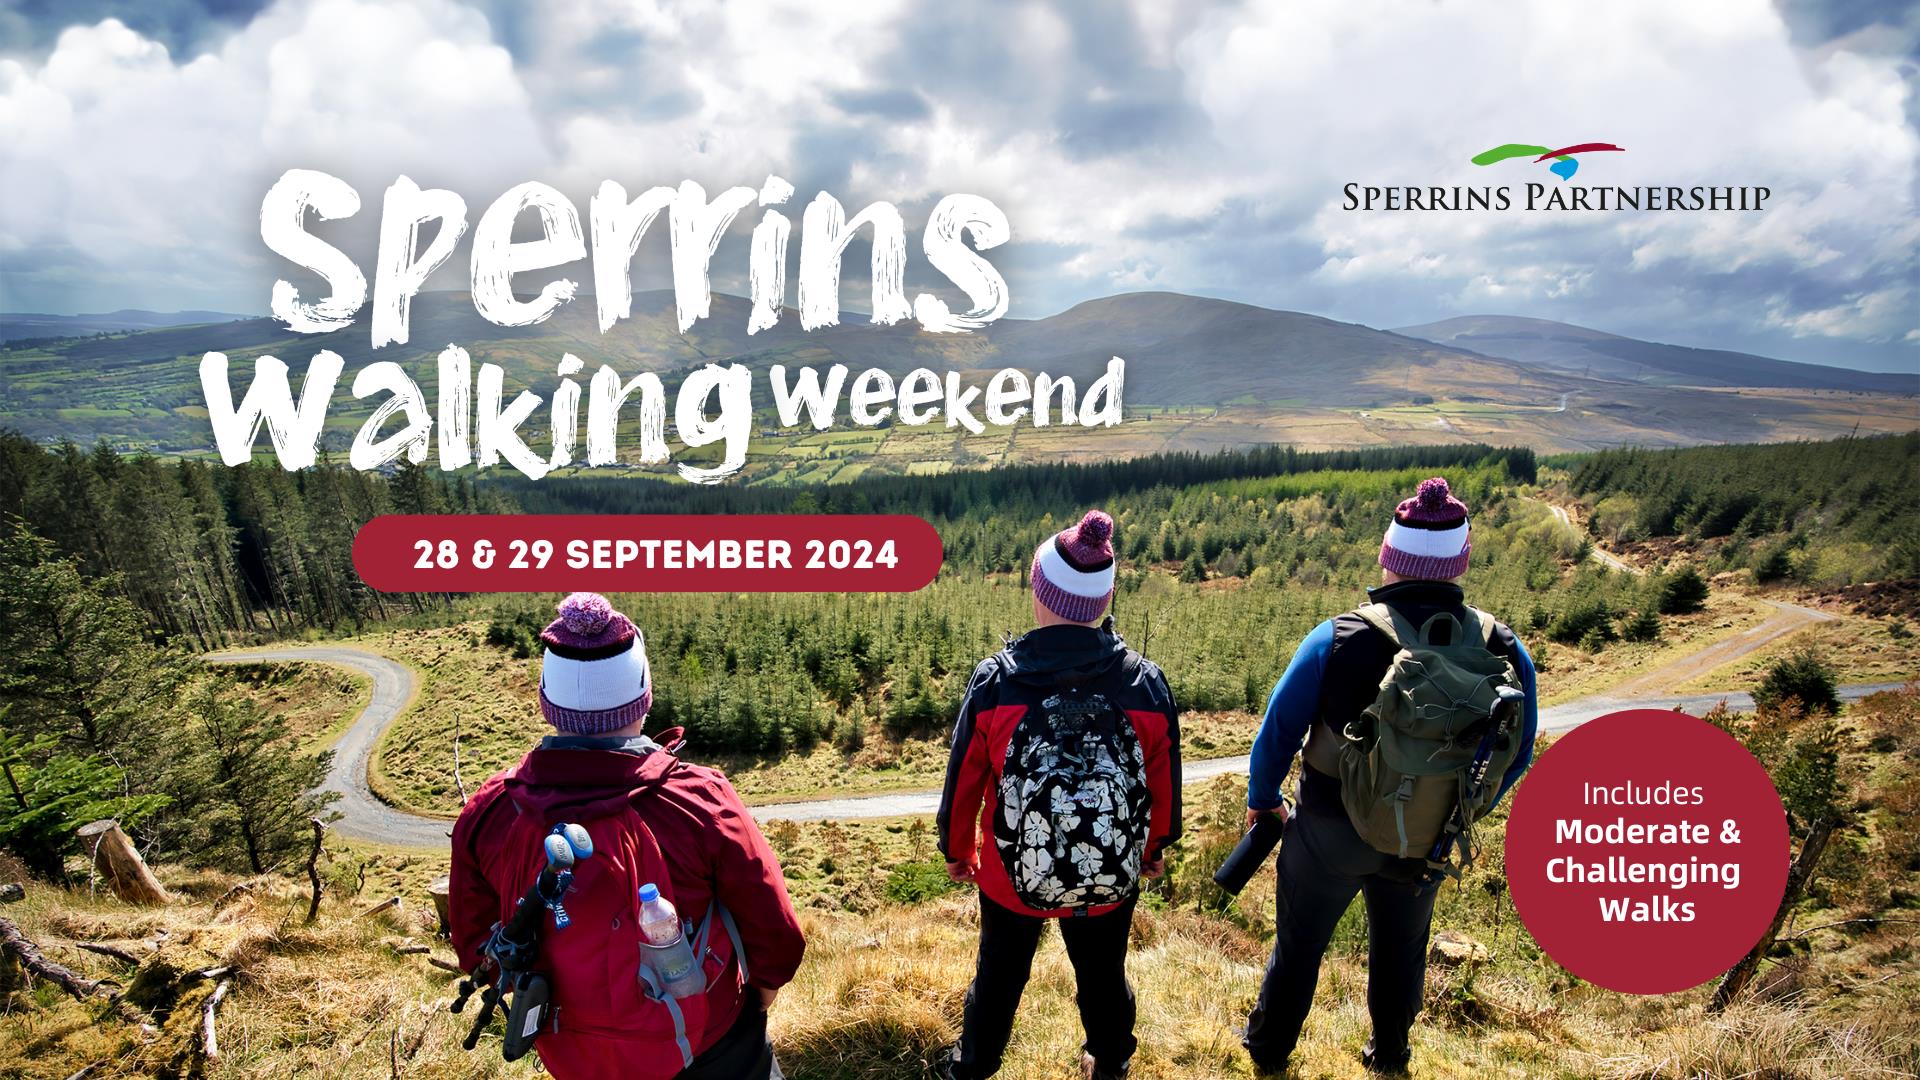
[(1604, 557), (363, 816)]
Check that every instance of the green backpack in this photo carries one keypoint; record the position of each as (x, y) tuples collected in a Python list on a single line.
[(1421, 764)]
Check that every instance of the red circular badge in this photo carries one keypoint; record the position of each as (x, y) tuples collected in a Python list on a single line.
[(1647, 851)]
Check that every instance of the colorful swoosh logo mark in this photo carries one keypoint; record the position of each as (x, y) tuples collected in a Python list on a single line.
[(1565, 164)]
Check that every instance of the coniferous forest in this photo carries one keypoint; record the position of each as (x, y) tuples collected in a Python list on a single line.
[(119, 569)]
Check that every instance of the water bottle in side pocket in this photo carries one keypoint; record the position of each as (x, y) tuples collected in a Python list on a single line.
[(665, 949)]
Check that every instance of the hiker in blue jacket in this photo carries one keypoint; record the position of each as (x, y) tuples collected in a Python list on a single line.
[(1334, 676)]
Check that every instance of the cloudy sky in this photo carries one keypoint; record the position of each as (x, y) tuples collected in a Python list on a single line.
[(1198, 147)]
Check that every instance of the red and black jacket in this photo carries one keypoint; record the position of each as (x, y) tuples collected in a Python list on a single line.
[(1003, 688)]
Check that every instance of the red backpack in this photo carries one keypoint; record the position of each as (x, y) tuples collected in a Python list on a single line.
[(610, 1017)]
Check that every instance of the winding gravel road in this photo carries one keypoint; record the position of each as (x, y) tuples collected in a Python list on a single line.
[(367, 818), (362, 816)]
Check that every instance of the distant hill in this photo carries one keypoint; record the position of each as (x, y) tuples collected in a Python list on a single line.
[(21, 325), (1583, 351), (1201, 374), (1191, 350)]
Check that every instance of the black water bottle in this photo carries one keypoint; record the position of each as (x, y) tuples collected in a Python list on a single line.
[(1250, 854)]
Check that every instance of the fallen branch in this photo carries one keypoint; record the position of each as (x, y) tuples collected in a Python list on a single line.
[(444, 965), (85, 1071), (1875, 920), (121, 955), (389, 902), (207, 1036), (313, 869), (413, 950), (21, 947), (233, 894), (206, 973)]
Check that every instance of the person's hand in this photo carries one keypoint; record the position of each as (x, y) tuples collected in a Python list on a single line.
[(1153, 868), (960, 871), (1278, 811), (767, 994)]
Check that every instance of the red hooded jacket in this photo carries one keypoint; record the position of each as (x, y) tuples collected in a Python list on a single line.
[(706, 836)]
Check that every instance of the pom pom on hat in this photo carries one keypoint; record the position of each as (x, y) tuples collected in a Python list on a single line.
[(1095, 528), (1433, 494), (586, 613)]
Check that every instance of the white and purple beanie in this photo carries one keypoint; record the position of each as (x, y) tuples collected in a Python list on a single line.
[(593, 677), (1073, 570), (1428, 538)]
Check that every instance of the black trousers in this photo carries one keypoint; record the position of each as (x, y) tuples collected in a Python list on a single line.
[(1323, 863), (743, 1053), (1097, 946)]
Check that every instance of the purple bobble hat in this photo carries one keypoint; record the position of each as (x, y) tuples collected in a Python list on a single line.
[(1428, 539), (1073, 570), (594, 676)]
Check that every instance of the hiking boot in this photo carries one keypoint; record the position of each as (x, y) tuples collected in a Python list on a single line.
[(1380, 1066), (1091, 1070), (1267, 1069), (941, 1067)]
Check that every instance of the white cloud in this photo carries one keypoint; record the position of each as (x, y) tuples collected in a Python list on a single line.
[(1199, 148), (146, 171)]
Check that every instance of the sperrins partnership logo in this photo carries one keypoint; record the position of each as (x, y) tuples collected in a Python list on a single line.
[(1564, 163), (1409, 193)]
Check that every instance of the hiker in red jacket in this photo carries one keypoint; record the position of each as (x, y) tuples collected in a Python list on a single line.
[(1062, 792), (654, 819)]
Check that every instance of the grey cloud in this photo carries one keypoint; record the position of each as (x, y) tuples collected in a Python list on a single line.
[(185, 27), (887, 104)]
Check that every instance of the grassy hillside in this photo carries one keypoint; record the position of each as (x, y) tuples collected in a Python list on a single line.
[(1834, 513), (889, 958)]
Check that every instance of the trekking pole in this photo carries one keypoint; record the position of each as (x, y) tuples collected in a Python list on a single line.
[(1508, 703), (512, 947)]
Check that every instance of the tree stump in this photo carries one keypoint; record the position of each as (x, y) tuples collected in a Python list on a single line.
[(113, 857), (440, 888)]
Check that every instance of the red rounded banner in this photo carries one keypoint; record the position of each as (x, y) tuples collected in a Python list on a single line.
[(1647, 851), (647, 552)]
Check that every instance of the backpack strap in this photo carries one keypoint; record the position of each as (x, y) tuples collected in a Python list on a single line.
[(1388, 620), (659, 993), (1480, 626), (703, 933)]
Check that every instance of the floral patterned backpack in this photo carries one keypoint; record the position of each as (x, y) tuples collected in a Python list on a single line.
[(1072, 827)]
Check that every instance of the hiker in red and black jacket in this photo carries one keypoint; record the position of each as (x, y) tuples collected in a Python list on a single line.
[(1062, 792), (651, 815)]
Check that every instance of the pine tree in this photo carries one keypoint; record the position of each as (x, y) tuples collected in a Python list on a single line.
[(259, 791), (50, 794), (1644, 626), (1683, 593), (78, 665)]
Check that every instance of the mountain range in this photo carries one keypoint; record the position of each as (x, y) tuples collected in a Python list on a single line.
[(1579, 350), (1268, 375), (26, 325)]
